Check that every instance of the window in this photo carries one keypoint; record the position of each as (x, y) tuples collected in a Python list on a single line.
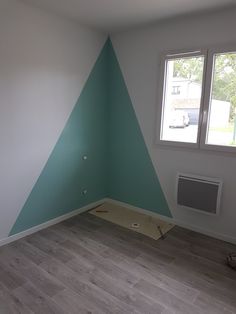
[(199, 99), (175, 90), (181, 111), (222, 118)]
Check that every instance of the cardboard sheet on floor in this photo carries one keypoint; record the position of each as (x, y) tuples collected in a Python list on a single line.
[(142, 223)]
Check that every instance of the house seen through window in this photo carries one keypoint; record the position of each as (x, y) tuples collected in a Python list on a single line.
[(199, 99)]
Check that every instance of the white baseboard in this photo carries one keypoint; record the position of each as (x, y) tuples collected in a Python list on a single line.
[(140, 210), (174, 221), (50, 223), (131, 207)]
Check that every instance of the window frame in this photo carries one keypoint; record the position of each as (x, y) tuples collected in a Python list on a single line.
[(204, 111), (165, 57), (207, 98)]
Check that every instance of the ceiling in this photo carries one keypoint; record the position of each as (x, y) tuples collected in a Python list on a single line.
[(111, 15)]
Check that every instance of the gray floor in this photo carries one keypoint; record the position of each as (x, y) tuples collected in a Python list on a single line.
[(87, 265)]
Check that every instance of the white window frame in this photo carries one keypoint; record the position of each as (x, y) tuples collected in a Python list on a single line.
[(204, 110), (207, 98), (163, 68)]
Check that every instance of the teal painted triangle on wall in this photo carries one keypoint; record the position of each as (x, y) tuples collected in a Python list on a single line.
[(59, 188), (132, 177), (102, 126)]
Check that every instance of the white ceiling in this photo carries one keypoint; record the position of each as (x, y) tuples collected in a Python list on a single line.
[(110, 15)]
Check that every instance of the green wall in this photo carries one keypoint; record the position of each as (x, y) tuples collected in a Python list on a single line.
[(103, 126), (132, 177)]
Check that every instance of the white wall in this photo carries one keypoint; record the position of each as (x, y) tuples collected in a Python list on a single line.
[(44, 63), (139, 55)]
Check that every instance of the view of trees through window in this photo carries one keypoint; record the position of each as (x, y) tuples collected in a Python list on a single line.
[(224, 90), (188, 68), (222, 124)]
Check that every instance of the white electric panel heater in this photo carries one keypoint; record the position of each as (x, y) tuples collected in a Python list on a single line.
[(199, 193)]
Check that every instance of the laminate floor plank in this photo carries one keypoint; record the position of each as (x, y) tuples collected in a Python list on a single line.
[(48, 247), (121, 290), (29, 251), (79, 236), (73, 303), (9, 278), (24, 268), (155, 276), (10, 304), (166, 298), (86, 265), (85, 288), (36, 301)]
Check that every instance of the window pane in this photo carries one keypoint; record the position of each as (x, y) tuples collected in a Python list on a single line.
[(222, 117), (182, 99)]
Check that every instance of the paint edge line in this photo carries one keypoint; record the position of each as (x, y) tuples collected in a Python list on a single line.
[(49, 223), (176, 222)]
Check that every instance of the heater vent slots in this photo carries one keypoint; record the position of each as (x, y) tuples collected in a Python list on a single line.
[(199, 193)]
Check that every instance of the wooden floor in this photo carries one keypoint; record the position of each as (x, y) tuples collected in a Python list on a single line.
[(87, 265)]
